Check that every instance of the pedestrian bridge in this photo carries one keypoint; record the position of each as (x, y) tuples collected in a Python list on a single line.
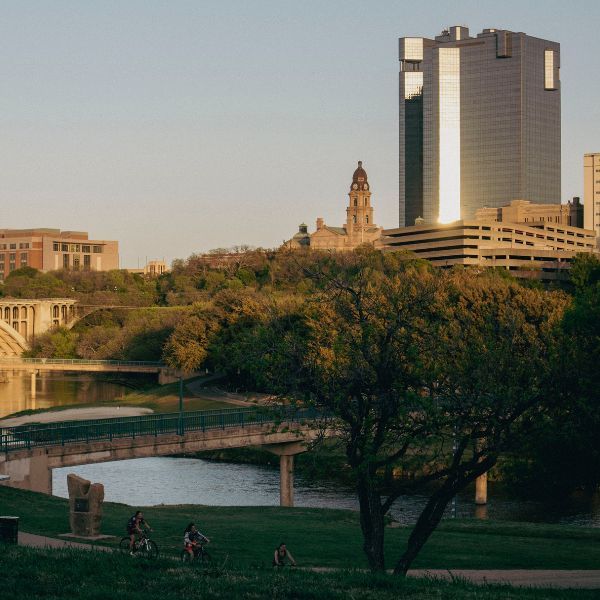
[(28, 453), (34, 366)]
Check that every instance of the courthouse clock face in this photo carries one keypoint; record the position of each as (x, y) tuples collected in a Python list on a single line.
[(366, 186), (355, 186)]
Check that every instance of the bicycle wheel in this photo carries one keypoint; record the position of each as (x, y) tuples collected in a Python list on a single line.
[(205, 557), (124, 545), (186, 557), (149, 549)]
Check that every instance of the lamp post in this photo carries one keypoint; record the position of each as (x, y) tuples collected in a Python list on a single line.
[(180, 405)]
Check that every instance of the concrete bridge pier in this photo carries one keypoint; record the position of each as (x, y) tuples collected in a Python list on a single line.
[(481, 490), (29, 472), (286, 453)]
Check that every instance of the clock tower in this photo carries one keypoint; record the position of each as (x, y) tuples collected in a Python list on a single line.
[(359, 214)]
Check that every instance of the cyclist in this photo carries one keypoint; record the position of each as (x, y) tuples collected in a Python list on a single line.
[(135, 527), (192, 539), (281, 554)]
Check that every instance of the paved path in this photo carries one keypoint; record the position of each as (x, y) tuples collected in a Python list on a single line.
[(41, 541), (519, 578), (515, 577)]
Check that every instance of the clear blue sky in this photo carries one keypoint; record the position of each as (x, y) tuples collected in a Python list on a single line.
[(180, 126)]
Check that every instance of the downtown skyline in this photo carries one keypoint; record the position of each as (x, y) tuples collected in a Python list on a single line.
[(179, 128)]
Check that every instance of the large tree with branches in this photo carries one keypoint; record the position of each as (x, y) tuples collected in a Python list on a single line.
[(433, 372)]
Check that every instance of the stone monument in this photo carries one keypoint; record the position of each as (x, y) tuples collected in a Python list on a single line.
[(85, 506)]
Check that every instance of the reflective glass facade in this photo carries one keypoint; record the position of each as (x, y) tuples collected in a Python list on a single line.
[(479, 123)]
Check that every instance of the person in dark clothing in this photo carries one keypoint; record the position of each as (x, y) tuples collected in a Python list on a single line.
[(281, 555)]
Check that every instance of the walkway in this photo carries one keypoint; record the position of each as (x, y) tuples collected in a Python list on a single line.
[(563, 579), (519, 577), (41, 541)]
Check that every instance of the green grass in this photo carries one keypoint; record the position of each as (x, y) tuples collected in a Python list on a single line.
[(325, 538), (165, 399), (29, 573)]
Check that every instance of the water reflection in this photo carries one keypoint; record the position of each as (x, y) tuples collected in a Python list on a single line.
[(57, 389), (165, 480)]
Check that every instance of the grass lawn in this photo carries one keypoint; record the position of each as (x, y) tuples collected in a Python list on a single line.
[(246, 536), (29, 573), (165, 399)]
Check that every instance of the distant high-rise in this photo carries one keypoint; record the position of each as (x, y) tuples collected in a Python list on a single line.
[(479, 123), (591, 193)]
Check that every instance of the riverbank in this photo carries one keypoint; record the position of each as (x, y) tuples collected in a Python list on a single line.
[(323, 538), (157, 399), (76, 414), (85, 575)]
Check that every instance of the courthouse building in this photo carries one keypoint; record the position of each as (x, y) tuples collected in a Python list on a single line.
[(53, 249), (479, 123), (358, 229)]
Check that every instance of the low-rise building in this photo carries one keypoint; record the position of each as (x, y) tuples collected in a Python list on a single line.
[(153, 268), (524, 211), (540, 250), (53, 249), (591, 192)]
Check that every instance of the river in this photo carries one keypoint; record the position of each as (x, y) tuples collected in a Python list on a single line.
[(174, 480)]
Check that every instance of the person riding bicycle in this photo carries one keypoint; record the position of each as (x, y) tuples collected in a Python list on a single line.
[(281, 554), (135, 528), (192, 539)]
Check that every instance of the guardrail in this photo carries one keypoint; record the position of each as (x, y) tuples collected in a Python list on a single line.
[(64, 432), (79, 362)]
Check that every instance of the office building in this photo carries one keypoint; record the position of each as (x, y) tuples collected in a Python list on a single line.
[(53, 249), (479, 123), (591, 192)]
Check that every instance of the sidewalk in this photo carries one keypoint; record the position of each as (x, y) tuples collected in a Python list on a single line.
[(519, 578), (516, 577), (40, 541)]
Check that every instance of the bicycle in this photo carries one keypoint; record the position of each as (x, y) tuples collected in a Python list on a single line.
[(143, 546), (200, 553)]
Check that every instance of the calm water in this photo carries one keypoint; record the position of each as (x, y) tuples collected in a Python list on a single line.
[(164, 480), (58, 389)]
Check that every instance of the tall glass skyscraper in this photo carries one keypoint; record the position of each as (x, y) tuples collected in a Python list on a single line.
[(479, 123)]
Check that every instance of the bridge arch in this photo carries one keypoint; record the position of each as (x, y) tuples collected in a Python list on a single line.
[(12, 343)]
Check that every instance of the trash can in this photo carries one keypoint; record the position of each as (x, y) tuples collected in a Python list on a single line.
[(9, 530)]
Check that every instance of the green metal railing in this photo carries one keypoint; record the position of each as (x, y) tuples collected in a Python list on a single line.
[(67, 432), (79, 362)]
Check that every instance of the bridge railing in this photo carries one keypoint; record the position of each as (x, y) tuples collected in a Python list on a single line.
[(67, 432), (79, 362)]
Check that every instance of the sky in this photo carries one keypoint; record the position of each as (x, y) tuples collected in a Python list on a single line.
[(180, 126)]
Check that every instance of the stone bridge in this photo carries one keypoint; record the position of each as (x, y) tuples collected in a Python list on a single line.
[(22, 320), (29, 453)]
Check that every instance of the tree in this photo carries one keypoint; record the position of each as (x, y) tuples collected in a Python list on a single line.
[(57, 343), (439, 371)]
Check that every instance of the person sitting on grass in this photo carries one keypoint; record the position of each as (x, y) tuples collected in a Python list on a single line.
[(135, 528), (193, 538), (281, 555)]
